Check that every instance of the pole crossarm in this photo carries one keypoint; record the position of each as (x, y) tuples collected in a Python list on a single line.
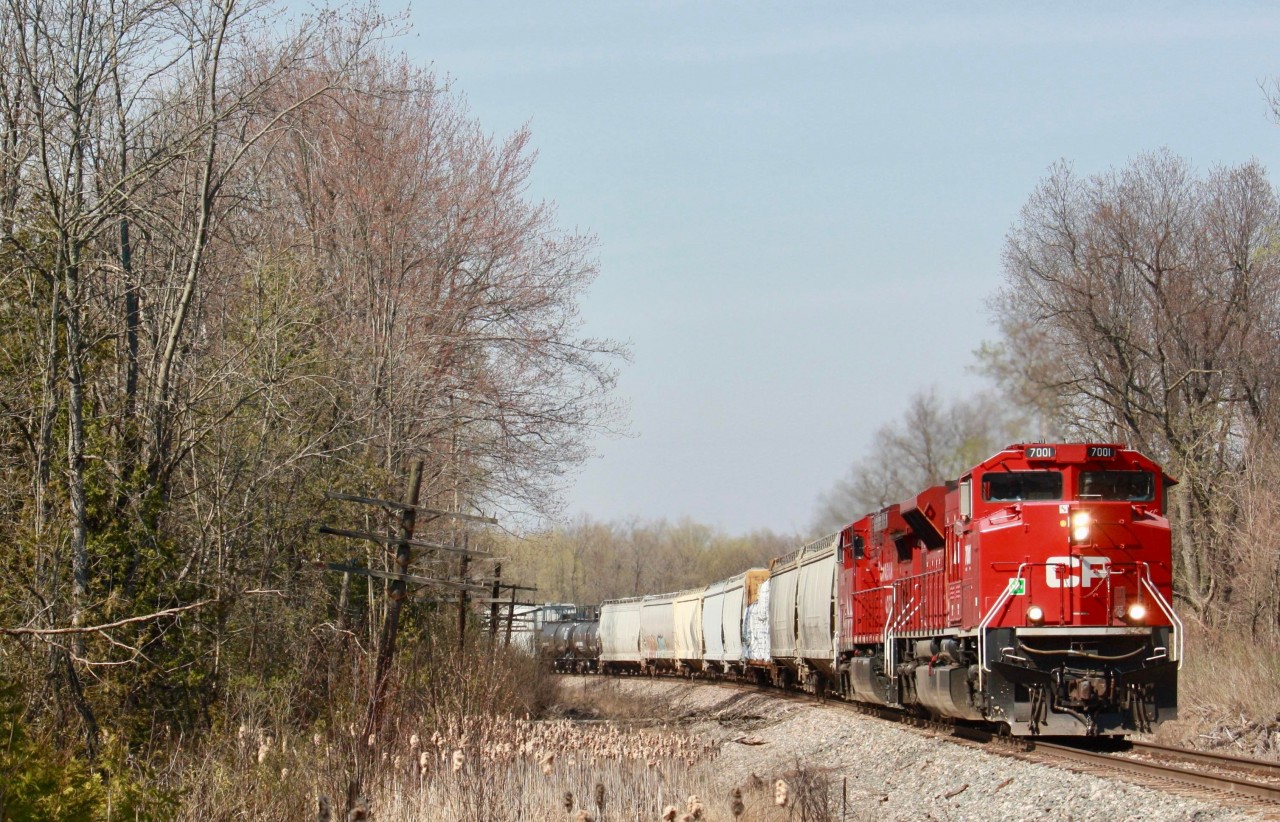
[(351, 568), (416, 543), (404, 506)]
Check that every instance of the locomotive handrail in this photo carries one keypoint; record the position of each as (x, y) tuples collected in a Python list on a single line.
[(888, 619), (986, 620), (891, 625), (1168, 611)]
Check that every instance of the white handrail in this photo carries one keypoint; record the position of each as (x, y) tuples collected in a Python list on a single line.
[(986, 620), (888, 624), (1168, 611)]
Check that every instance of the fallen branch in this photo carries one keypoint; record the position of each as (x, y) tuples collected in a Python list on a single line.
[(93, 629)]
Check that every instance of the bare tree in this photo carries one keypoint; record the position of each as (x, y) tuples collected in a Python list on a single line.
[(459, 294), (244, 262), (1155, 291), (934, 441)]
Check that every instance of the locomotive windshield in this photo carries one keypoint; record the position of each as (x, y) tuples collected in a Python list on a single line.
[(1131, 486), (1016, 486)]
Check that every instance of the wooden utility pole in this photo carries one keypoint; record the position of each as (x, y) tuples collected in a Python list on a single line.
[(463, 600), (397, 594), (493, 605), (511, 618)]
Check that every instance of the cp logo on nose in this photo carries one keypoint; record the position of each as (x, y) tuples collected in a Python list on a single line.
[(1072, 572)]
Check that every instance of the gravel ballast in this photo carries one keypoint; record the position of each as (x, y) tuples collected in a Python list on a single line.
[(886, 771)]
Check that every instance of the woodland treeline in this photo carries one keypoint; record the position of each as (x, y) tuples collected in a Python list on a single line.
[(245, 261), (588, 561)]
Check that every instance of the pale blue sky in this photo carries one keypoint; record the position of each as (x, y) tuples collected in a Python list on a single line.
[(801, 206)]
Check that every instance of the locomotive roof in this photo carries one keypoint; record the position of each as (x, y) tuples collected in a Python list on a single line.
[(1070, 453)]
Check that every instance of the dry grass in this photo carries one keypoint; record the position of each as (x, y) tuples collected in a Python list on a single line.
[(600, 773), (495, 768), (1229, 695), (606, 698)]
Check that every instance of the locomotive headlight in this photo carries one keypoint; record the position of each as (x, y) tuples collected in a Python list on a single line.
[(1080, 526), (1136, 614), (1035, 615)]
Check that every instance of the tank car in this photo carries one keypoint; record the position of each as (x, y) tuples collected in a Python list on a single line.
[(570, 644)]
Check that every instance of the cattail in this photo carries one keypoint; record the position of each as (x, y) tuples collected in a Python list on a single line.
[(546, 763), (600, 798), (423, 760), (323, 812), (263, 749), (372, 739), (694, 806), (459, 759), (568, 801), (780, 793), (583, 816), (414, 742), (316, 739), (242, 733), (284, 774), (735, 805), (669, 815)]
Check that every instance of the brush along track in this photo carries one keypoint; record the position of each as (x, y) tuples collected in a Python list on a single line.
[(1247, 784)]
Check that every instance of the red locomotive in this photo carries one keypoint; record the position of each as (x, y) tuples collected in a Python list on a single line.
[(1033, 592)]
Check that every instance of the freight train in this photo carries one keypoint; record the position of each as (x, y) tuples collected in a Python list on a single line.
[(1032, 593)]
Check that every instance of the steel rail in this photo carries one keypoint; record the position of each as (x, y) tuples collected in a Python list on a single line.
[(1264, 767), (1112, 761), (1021, 746)]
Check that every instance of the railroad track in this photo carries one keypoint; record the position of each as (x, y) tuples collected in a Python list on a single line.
[(1253, 784), (1254, 778)]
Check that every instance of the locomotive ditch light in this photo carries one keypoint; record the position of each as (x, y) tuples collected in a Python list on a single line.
[(1136, 614), (1035, 615), (1080, 526)]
